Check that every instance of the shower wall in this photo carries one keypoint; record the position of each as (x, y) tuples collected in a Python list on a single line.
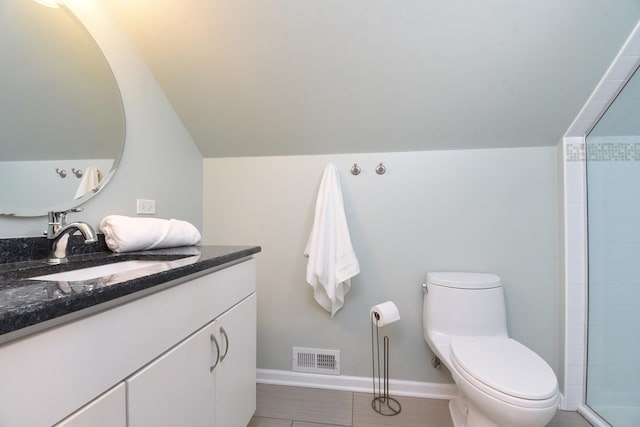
[(613, 194)]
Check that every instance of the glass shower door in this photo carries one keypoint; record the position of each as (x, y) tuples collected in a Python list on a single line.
[(613, 211)]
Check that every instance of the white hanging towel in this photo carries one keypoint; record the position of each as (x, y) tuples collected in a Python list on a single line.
[(89, 181), (332, 261)]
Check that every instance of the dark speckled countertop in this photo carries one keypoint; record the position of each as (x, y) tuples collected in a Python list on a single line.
[(28, 306)]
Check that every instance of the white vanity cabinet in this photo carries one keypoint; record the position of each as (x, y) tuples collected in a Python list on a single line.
[(149, 357), (207, 380)]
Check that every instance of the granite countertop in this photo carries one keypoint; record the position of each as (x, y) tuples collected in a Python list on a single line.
[(27, 306)]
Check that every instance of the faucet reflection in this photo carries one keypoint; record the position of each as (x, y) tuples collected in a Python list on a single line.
[(58, 232)]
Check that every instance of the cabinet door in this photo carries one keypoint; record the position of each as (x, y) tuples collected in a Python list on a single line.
[(177, 389), (236, 374), (108, 410)]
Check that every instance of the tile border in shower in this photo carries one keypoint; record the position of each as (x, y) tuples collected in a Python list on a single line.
[(574, 151), (602, 152)]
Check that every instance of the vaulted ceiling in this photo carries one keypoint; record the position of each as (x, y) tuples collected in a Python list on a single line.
[(285, 77)]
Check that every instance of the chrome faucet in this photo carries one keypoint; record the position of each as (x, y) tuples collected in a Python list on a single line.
[(58, 232)]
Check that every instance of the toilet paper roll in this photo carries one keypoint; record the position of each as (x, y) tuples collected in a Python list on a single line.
[(384, 313)]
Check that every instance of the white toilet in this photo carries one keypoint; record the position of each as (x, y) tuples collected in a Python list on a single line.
[(501, 383)]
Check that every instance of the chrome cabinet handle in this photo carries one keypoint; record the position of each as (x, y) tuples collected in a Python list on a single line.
[(215, 342), (226, 338)]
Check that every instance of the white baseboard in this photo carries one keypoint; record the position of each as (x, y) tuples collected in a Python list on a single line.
[(357, 384)]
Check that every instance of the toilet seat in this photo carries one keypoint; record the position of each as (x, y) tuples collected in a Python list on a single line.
[(505, 369)]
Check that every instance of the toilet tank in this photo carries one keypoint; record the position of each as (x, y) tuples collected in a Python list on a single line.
[(464, 304)]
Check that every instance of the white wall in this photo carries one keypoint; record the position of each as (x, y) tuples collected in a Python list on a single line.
[(474, 210), (160, 160)]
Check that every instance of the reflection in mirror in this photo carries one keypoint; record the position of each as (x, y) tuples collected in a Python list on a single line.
[(60, 109)]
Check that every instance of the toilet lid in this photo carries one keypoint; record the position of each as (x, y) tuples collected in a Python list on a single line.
[(506, 366), (464, 280)]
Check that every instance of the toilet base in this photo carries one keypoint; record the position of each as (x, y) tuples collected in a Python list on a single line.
[(463, 415), (458, 414)]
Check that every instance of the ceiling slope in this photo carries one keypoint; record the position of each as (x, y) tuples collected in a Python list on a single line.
[(292, 77)]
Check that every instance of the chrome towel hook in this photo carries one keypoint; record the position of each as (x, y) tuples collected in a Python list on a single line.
[(62, 173), (380, 169), (355, 169), (77, 173)]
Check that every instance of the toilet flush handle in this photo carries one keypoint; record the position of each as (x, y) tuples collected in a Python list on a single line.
[(424, 288)]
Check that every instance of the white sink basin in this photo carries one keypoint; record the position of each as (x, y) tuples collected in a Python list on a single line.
[(97, 271)]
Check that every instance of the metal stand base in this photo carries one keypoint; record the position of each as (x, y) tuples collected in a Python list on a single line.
[(387, 406), (382, 403)]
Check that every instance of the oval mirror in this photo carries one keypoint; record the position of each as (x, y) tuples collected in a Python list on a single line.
[(62, 120)]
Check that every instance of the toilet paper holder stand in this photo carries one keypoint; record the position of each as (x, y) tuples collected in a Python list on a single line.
[(382, 403)]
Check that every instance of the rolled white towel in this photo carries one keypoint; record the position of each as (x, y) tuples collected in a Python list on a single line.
[(126, 234)]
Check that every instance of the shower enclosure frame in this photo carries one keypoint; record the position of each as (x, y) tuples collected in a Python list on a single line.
[(574, 203)]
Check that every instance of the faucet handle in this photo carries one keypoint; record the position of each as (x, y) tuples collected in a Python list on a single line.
[(72, 210), (60, 218), (63, 215)]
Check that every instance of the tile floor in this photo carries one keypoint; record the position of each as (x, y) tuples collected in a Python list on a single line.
[(282, 406)]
